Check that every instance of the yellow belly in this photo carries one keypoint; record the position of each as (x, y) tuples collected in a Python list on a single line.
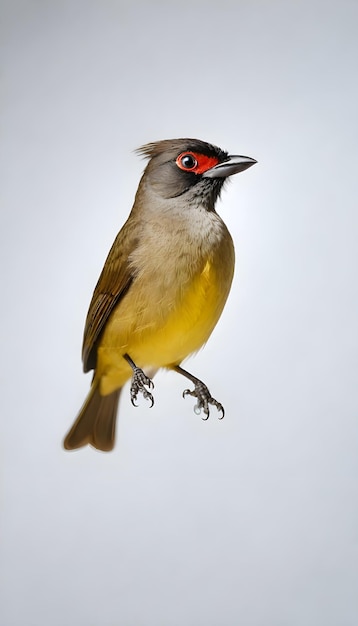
[(160, 332)]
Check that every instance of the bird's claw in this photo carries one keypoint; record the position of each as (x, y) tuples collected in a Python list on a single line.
[(204, 398), (138, 383)]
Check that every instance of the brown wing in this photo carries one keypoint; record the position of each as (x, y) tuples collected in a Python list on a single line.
[(113, 283)]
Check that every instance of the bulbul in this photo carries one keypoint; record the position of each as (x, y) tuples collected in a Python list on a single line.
[(163, 286)]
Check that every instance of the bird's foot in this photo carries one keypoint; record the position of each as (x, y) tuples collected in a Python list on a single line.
[(204, 398), (138, 384)]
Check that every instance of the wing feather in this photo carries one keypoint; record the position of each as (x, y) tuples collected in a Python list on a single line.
[(115, 280)]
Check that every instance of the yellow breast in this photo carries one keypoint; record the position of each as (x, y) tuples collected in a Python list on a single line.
[(161, 330)]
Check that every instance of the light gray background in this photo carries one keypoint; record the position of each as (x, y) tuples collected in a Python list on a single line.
[(249, 521)]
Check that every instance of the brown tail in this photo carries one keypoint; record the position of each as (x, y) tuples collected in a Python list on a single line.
[(96, 422)]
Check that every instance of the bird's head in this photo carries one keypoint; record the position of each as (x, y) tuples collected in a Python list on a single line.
[(191, 169)]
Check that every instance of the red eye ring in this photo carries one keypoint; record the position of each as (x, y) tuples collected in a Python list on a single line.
[(196, 162), (187, 161)]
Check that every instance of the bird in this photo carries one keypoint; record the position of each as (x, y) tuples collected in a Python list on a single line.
[(163, 286)]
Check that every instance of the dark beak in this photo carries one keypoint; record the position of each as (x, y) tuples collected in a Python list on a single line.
[(232, 165)]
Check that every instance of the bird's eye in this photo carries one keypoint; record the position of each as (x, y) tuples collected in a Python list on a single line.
[(187, 161)]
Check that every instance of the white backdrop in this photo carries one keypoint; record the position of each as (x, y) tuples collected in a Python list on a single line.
[(251, 520)]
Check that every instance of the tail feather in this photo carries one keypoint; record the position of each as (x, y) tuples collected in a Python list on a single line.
[(96, 422)]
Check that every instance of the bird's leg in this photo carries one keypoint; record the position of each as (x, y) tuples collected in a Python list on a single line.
[(139, 380), (201, 393)]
